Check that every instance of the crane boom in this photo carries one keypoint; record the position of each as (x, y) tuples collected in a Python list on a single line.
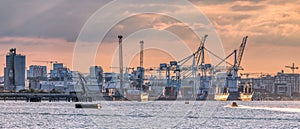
[(241, 51), (200, 52), (293, 67), (51, 62)]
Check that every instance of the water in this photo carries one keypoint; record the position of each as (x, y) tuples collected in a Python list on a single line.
[(208, 114)]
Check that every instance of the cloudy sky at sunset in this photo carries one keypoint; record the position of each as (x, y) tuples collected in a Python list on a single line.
[(48, 31)]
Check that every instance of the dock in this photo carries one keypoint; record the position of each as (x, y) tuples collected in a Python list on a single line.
[(38, 97)]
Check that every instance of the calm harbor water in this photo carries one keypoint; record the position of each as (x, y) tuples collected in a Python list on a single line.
[(158, 114)]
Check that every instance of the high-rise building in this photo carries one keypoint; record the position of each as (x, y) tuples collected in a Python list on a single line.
[(14, 71)]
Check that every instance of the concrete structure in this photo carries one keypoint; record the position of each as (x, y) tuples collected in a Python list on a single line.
[(35, 74), (96, 71), (2, 83), (60, 86), (281, 84), (1, 80), (60, 73), (291, 79), (265, 83), (14, 72), (282, 88), (36, 71), (95, 79)]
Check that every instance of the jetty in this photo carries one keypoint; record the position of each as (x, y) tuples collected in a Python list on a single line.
[(38, 97)]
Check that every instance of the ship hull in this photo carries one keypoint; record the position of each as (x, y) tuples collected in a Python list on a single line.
[(140, 97), (201, 97), (137, 95), (221, 96), (167, 98), (170, 93), (246, 96)]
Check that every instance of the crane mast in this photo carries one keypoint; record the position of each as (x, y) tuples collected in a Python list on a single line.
[(238, 55)]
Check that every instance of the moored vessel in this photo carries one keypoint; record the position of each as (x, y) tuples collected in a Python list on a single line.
[(246, 92), (136, 95), (221, 94)]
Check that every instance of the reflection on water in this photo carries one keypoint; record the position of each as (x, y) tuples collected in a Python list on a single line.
[(201, 114), (266, 108)]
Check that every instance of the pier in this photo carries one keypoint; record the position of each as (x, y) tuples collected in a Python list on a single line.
[(38, 97)]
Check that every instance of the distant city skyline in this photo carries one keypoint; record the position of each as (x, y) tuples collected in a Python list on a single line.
[(48, 31)]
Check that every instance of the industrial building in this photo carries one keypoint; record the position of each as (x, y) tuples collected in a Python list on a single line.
[(287, 84), (96, 71), (1, 83), (36, 71), (14, 71), (60, 73), (282, 84), (95, 78), (60, 79), (35, 74)]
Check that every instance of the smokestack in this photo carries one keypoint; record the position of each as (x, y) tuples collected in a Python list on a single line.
[(121, 62), (142, 54)]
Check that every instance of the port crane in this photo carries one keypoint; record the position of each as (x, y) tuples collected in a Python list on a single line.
[(238, 58), (232, 79), (238, 55), (293, 67), (198, 63), (232, 71)]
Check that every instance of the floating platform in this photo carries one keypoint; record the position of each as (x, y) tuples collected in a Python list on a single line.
[(92, 106)]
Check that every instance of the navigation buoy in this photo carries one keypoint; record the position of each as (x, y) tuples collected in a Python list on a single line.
[(234, 104), (95, 106)]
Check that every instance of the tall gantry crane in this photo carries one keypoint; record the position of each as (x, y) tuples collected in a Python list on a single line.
[(238, 55), (293, 67), (198, 63), (232, 77)]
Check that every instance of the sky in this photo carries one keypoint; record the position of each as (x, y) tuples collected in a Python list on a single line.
[(48, 31)]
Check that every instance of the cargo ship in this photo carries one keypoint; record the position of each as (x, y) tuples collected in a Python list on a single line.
[(220, 85), (246, 92), (221, 96), (246, 96)]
